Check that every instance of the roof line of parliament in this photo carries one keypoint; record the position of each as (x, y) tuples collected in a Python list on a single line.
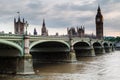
[(19, 27)]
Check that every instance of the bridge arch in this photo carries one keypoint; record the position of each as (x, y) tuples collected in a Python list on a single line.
[(42, 41), (111, 44), (106, 47), (12, 44), (97, 44), (98, 48), (105, 44), (10, 53), (49, 50), (84, 42), (82, 48)]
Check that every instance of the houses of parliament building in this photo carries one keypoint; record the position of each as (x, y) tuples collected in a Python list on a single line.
[(80, 32), (19, 27)]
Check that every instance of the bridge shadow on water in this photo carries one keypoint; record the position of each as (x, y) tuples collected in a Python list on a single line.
[(8, 59), (8, 65), (49, 57)]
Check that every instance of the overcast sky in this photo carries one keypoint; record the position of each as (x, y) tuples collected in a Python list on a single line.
[(60, 14)]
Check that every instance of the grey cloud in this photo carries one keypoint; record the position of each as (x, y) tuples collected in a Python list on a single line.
[(58, 22), (73, 7), (38, 5), (65, 14)]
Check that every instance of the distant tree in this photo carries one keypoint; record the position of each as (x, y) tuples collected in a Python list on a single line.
[(112, 39), (117, 39)]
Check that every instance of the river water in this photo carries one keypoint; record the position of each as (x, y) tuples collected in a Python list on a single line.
[(101, 67)]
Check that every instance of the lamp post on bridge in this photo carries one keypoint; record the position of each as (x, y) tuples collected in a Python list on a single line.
[(26, 26), (70, 41)]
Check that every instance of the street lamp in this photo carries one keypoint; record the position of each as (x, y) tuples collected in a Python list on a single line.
[(26, 25), (70, 40)]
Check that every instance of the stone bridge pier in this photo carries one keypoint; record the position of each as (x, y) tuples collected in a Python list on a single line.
[(25, 63)]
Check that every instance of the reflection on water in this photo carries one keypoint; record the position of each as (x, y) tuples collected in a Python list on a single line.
[(101, 67)]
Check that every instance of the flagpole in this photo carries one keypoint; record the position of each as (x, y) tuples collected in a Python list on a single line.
[(18, 14)]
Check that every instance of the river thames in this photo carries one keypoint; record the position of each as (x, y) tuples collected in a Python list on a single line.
[(100, 67)]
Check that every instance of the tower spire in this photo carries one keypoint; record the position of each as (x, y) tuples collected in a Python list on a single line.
[(44, 30), (43, 25), (99, 8)]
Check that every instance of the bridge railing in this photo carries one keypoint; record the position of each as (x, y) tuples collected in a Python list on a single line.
[(65, 38), (11, 36), (39, 37), (78, 38), (50, 37)]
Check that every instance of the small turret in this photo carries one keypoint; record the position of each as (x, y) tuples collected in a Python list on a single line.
[(19, 19), (99, 10), (23, 20), (35, 31), (14, 20)]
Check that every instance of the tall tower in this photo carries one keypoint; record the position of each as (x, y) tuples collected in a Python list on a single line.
[(19, 26), (44, 31), (99, 24)]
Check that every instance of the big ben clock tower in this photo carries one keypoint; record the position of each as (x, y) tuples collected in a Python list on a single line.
[(99, 24)]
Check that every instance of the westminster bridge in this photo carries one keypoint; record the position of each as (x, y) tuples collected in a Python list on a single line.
[(18, 53)]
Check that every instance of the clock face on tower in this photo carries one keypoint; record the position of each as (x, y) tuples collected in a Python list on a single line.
[(98, 19)]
